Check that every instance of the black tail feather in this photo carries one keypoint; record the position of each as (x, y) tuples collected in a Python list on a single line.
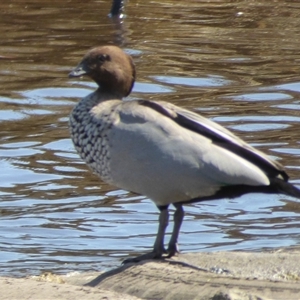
[(285, 187), (277, 186)]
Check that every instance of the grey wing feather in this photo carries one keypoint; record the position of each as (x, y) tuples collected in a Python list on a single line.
[(218, 135)]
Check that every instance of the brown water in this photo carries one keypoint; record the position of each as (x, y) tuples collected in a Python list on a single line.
[(236, 62)]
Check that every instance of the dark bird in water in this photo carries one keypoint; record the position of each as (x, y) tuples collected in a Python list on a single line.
[(117, 8)]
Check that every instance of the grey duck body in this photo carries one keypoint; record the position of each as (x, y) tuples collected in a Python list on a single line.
[(169, 154)]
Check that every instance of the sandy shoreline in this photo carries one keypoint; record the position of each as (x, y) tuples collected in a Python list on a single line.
[(219, 275)]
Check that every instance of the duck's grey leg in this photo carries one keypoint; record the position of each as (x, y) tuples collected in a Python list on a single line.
[(178, 218), (163, 220), (158, 248)]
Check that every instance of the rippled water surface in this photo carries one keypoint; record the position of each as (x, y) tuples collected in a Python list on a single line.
[(235, 62)]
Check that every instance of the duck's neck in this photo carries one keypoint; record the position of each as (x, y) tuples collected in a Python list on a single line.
[(100, 95)]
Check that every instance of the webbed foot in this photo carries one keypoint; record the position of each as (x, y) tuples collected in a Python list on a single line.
[(146, 256), (172, 250)]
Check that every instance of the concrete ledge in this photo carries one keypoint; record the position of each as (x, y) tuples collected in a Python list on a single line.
[(215, 276)]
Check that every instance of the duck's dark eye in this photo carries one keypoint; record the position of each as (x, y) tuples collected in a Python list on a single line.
[(103, 57)]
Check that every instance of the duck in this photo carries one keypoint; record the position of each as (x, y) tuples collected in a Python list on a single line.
[(169, 154)]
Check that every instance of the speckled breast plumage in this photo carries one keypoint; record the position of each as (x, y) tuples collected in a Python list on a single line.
[(90, 139)]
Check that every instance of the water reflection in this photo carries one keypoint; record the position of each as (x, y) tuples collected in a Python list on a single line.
[(236, 63), (210, 81)]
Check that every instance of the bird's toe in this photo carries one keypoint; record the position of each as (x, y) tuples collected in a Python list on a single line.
[(147, 256)]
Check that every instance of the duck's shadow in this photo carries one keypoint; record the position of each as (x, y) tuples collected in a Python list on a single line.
[(96, 281)]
